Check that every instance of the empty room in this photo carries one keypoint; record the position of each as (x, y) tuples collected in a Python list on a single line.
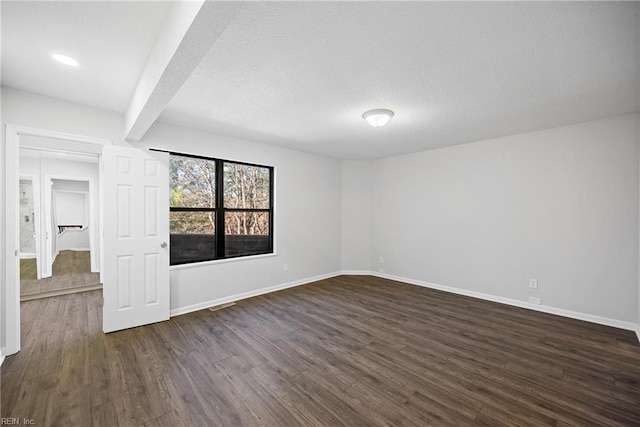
[(366, 213)]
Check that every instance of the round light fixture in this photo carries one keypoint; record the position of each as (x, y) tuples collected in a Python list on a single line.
[(378, 118), (64, 59)]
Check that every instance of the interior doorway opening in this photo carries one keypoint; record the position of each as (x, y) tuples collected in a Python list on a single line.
[(55, 144), (134, 254), (59, 223)]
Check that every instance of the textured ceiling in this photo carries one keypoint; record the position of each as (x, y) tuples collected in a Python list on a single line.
[(111, 40), (300, 74)]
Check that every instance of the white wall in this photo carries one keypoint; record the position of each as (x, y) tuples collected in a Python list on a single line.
[(638, 138), (357, 204), (70, 208), (72, 186), (638, 135), (307, 219), (559, 205), (73, 240), (42, 112)]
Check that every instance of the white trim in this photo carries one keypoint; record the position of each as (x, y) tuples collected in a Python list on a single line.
[(73, 191), (250, 294), (44, 133), (516, 303), (1, 356), (27, 255), (11, 242), (75, 249), (638, 332)]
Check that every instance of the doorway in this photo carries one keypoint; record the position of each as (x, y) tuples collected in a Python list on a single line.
[(55, 144), (65, 255), (134, 253)]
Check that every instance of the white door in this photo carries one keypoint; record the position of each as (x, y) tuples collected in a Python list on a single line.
[(136, 235)]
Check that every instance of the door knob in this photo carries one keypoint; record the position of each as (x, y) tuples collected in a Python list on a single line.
[(163, 245)]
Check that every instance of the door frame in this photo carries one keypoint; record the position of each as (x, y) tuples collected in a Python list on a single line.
[(64, 142)]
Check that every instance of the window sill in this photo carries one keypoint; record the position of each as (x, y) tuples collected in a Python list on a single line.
[(220, 261)]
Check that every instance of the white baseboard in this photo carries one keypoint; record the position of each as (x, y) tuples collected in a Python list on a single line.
[(517, 303), (250, 294), (27, 255), (638, 332), (1, 356), (76, 249)]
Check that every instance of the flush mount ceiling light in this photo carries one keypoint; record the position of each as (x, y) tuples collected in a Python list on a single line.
[(64, 59), (378, 118)]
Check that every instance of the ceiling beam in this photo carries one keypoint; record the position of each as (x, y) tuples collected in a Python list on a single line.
[(190, 30)]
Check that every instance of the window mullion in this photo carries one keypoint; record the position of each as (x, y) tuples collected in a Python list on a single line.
[(220, 243)]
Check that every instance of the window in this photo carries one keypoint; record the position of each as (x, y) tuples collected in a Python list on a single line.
[(219, 209)]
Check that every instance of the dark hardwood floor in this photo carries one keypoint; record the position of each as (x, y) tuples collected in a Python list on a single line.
[(357, 351)]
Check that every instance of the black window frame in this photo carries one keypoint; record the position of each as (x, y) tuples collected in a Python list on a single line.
[(220, 210)]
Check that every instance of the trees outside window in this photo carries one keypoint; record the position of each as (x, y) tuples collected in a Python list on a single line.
[(213, 194)]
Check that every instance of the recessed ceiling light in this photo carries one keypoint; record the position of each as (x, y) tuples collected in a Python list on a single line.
[(64, 59), (378, 118)]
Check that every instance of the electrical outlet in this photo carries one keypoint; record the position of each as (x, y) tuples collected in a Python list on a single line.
[(533, 283), (285, 267), (535, 300), (381, 259)]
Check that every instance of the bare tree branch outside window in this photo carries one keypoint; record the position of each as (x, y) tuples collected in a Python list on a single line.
[(244, 216)]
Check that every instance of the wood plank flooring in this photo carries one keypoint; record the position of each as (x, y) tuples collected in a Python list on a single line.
[(71, 270), (357, 351)]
